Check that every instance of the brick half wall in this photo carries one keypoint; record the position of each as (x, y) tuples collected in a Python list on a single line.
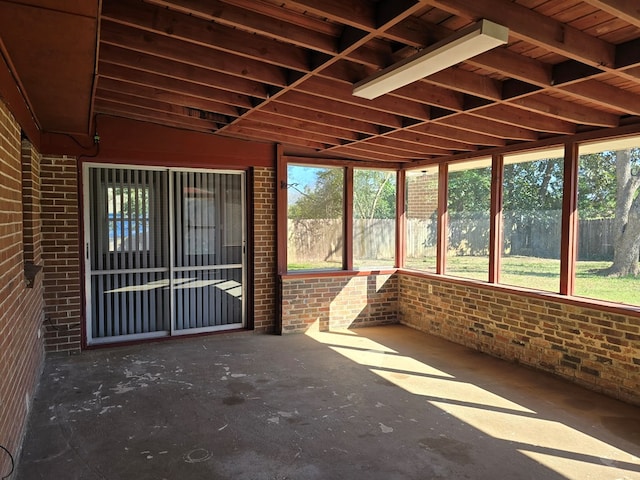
[(594, 348), (338, 301)]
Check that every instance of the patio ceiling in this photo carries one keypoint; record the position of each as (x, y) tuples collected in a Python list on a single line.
[(283, 71)]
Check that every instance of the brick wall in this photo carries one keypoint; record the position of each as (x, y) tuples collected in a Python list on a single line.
[(264, 249), (422, 196), (31, 219), (21, 348), (594, 348), (338, 301), (60, 252)]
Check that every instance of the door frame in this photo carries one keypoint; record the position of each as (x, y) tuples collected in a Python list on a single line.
[(86, 254)]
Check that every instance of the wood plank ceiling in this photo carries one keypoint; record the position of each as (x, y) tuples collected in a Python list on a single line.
[(283, 71)]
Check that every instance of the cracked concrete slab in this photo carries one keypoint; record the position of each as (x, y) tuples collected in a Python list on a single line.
[(375, 403)]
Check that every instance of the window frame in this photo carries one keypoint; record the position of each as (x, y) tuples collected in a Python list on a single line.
[(569, 223), (347, 226), (395, 220)]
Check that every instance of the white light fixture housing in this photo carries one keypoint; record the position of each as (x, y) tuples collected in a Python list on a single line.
[(461, 46)]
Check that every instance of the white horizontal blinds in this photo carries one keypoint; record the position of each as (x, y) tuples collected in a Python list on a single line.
[(204, 263), (129, 267)]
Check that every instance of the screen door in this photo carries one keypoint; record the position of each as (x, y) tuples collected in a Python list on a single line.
[(164, 252)]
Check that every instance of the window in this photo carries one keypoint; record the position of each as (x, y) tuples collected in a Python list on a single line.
[(532, 219), (374, 218), (469, 206), (128, 218), (609, 221), (315, 219), (421, 209)]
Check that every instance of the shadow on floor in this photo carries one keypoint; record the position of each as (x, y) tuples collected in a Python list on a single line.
[(374, 403)]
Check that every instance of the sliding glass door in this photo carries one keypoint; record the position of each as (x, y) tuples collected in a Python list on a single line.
[(164, 252)]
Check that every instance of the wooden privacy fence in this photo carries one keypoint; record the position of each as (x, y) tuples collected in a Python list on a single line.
[(321, 240)]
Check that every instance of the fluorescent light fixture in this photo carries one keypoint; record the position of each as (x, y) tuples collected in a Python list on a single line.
[(461, 46)]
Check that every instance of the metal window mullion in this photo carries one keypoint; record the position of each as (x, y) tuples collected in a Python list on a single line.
[(98, 192), (170, 202), (243, 251), (196, 294)]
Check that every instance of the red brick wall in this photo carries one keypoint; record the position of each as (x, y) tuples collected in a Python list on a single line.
[(31, 220), (422, 196), (264, 249), (60, 252), (21, 348), (338, 301), (594, 348)]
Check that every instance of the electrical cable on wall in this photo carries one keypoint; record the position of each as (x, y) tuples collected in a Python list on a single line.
[(13, 465), (96, 141)]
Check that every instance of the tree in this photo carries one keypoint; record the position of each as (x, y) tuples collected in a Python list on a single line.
[(316, 203), (532, 203), (627, 216), (469, 201), (374, 194), (322, 197)]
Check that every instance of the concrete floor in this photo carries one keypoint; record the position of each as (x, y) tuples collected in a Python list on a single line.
[(376, 403)]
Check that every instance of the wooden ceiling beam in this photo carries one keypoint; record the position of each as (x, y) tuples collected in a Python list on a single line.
[(180, 71), (159, 106), (627, 10), (605, 95), (407, 147), (155, 94), (252, 22), (521, 118), (411, 136), (335, 90), (536, 29), (452, 132), (490, 127), (145, 114), (146, 79), (119, 113), (300, 59), (348, 73), (354, 14), (299, 113), (277, 13), (180, 51), (373, 150), (303, 125), (273, 136), (346, 46), (565, 110), (290, 131), (487, 88), (464, 81), (201, 32), (341, 109), (367, 155), (514, 65), (431, 95)]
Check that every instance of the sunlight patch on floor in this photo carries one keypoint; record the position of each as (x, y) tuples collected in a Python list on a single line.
[(437, 388), (378, 358), (561, 448)]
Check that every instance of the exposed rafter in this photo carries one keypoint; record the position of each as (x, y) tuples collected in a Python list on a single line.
[(283, 71)]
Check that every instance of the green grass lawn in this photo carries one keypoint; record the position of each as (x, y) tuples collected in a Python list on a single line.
[(543, 274)]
